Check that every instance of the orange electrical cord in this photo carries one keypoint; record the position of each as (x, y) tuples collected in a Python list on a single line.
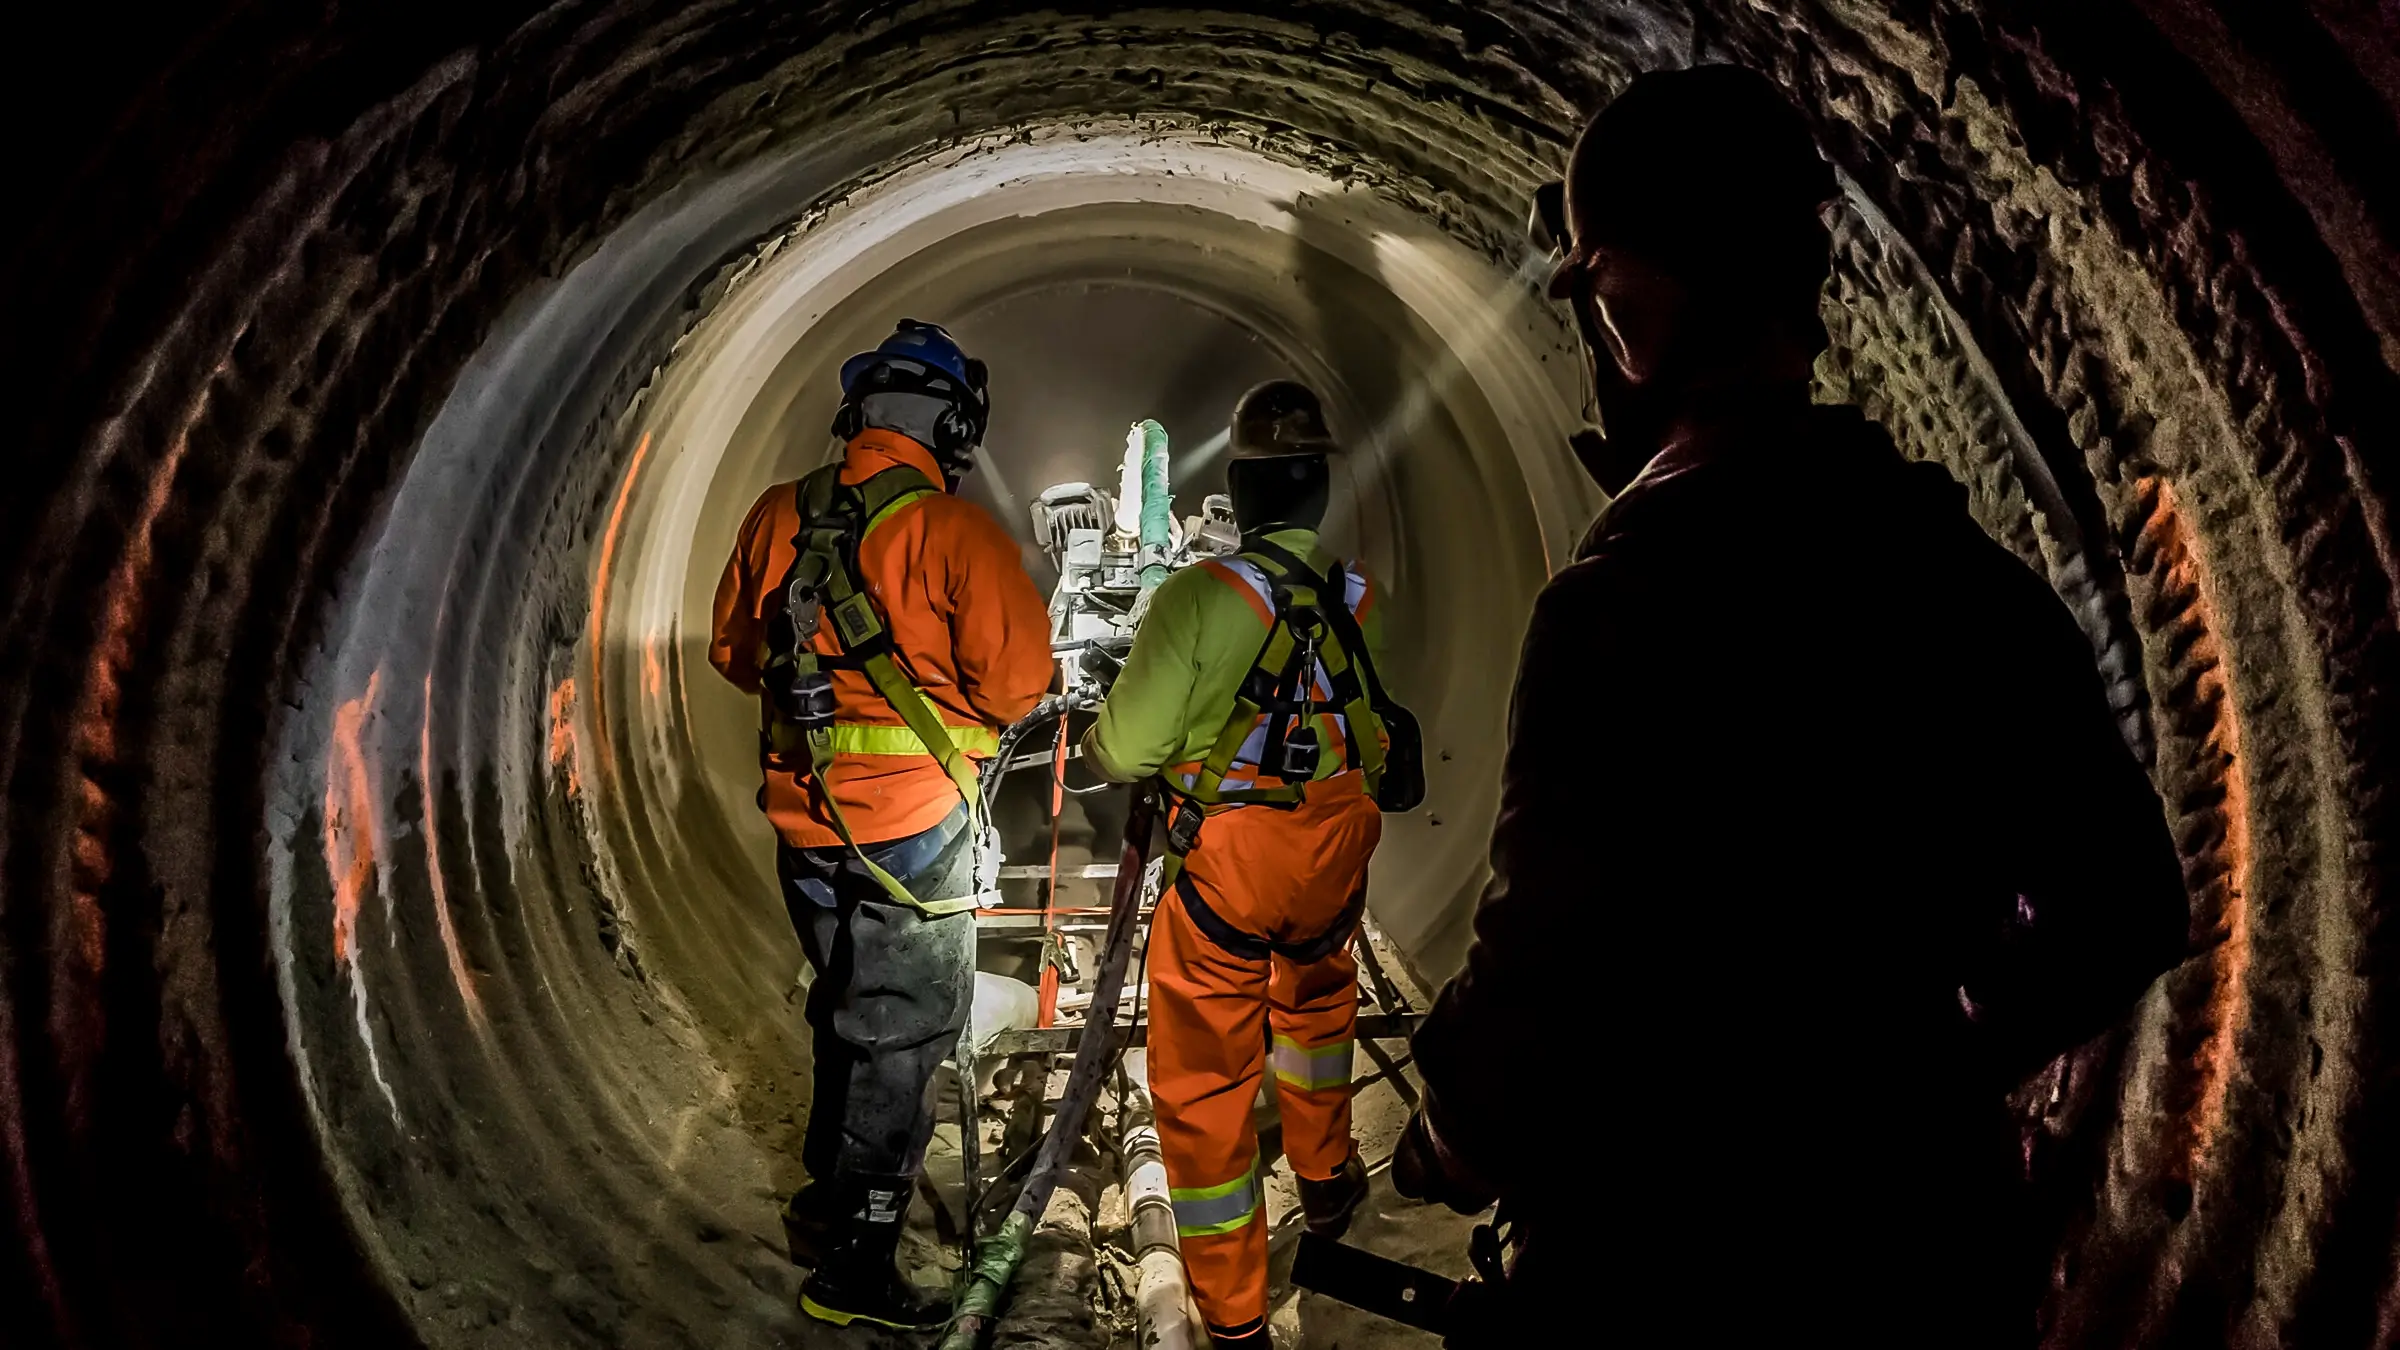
[(1048, 1014)]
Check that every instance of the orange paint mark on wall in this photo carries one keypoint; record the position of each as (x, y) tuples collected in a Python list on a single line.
[(2184, 580), (459, 974), (563, 759), (654, 667), (350, 841), (96, 716), (609, 539)]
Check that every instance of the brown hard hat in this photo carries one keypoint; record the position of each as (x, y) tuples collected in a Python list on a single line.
[(1280, 417)]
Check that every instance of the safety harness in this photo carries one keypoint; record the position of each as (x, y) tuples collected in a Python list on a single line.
[(799, 707), (1312, 631)]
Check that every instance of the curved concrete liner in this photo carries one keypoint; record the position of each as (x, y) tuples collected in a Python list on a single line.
[(1458, 496), (640, 765), (334, 444)]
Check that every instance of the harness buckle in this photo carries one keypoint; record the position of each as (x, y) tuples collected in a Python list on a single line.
[(1183, 833), (804, 609)]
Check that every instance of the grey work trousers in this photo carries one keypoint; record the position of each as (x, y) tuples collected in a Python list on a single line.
[(892, 992)]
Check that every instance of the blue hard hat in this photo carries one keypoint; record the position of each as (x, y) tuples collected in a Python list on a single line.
[(926, 344)]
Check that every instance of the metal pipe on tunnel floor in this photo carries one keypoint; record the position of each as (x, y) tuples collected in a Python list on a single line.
[(1162, 1297)]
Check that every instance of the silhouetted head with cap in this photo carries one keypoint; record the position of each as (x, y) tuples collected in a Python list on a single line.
[(1695, 254), (1278, 474)]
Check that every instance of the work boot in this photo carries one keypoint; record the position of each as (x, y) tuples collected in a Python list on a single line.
[(1328, 1204), (858, 1281), (810, 1223)]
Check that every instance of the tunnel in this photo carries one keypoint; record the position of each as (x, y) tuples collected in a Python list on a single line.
[(386, 927)]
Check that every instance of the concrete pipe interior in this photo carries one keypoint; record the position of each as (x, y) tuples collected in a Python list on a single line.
[(390, 950), (1111, 275)]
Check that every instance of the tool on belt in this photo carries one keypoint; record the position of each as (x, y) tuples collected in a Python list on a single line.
[(800, 710)]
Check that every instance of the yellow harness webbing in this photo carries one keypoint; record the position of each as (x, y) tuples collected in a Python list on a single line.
[(1298, 629), (825, 543)]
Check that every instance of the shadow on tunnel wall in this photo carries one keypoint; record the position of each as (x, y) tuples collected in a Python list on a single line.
[(1357, 326)]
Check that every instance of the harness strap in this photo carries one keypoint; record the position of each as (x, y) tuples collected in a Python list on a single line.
[(1252, 947), (1279, 687), (1346, 664), (827, 548)]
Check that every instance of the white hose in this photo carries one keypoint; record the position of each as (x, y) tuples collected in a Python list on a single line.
[(1161, 1298)]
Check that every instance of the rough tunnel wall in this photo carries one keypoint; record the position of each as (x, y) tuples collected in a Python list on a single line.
[(2122, 265), (235, 331)]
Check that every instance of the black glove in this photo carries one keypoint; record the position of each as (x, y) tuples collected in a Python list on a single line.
[(1424, 1170)]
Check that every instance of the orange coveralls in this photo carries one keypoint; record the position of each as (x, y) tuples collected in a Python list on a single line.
[(1218, 1020), (983, 662)]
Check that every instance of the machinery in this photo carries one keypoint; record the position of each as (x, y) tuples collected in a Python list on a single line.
[(1111, 551), (1107, 566)]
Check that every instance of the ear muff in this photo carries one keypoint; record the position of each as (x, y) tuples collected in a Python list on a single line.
[(953, 437), (962, 427), (848, 421), (960, 430)]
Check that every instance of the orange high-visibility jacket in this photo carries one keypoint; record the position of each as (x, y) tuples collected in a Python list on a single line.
[(969, 628)]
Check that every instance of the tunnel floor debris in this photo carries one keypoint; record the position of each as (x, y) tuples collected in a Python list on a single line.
[(1076, 1288)]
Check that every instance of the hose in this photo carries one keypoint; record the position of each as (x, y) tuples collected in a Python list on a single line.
[(1158, 505), (996, 1264), (994, 769), (1160, 1290)]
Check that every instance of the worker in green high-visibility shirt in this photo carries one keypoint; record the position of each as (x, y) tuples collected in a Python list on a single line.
[(1252, 939)]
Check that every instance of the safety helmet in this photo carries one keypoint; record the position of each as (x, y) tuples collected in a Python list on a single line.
[(1280, 417), (922, 358), (924, 344)]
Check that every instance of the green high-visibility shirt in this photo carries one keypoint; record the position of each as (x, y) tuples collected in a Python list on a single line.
[(1196, 644)]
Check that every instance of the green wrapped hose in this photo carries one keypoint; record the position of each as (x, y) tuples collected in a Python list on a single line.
[(996, 1264), (1158, 504)]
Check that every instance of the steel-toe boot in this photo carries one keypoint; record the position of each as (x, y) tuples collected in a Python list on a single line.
[(857, 1281), (1328, 1204)]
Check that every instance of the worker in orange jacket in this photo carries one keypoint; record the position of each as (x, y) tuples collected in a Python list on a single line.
[(1268, 748), (890, 630)]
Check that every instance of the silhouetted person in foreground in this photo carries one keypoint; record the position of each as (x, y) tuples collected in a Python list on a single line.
[(1817, 834)]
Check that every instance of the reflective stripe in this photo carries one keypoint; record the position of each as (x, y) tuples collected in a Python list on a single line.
[(861, 738), (1246, 583), (1217, 1209), (893, 506), (1354, 583), (1311, 1070)]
